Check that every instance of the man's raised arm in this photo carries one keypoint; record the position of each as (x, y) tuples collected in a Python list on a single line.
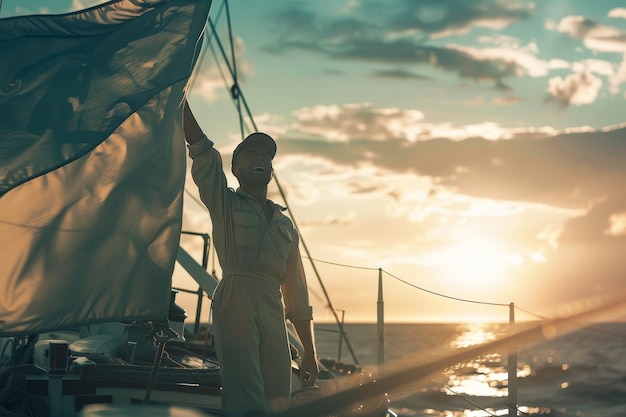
[(193, 132)]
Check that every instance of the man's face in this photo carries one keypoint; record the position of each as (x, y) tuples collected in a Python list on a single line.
[(253, 165)]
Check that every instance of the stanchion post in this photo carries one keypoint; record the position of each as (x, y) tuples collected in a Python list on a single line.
[(512, 365), (380, 324)]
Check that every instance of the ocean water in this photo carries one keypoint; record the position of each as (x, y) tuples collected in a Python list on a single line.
[(582, 373)]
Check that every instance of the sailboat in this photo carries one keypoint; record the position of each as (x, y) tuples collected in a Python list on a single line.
[(60, 353), (124, 363), (115, 360)]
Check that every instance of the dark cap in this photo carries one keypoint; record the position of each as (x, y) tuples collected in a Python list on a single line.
[(260, 138)]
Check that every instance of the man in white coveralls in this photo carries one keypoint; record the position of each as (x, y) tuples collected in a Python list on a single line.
[(263, 279)]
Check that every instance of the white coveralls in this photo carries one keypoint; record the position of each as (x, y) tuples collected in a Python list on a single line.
[(263, 283)]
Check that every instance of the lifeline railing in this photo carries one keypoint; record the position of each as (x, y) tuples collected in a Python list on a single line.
[(512, 402), (610, 306)]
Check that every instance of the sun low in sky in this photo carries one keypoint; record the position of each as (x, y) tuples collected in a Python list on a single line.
[(472, 148)]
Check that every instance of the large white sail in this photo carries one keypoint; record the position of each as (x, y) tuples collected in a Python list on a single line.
[(92, 161)]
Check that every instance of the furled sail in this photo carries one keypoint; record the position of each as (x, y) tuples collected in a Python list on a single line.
[(92, 161)]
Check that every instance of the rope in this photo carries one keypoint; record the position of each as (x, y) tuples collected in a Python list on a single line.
[(443, 295), (343, 265), (230, 70), (593, 329), (234, 89), (412, 285), (208, 35), (531, 313)]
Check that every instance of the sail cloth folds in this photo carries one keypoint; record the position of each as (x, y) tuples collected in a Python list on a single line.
[(92, 161)]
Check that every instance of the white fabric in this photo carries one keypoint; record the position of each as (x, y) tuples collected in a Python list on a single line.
[(252, 345), (92, 161)]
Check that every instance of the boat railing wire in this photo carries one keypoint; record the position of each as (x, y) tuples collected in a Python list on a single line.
[(466, 300)]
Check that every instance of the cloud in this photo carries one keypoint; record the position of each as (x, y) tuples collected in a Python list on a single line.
[(399, 74), (619, 77), (617, 224), (532, 165), (439, 19), (618, 12), (522, 63), (342, 123), (600, 38), (575, 89), (595, 66), (404, 36), (363, 121), (399, 34), (594, 35)]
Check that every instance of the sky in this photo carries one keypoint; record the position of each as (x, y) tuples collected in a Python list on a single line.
[(471, 152)]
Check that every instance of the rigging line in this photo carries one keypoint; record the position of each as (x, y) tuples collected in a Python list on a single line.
[(217, 64), (280, 189), (207, 34), (219, 68), (594, 329), (531, 313), (589, 329), (230, 69), (419, 288), (344, 265), (443, 295), (217, 18), (234, 90)]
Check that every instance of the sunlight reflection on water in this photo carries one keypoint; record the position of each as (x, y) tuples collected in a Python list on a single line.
[(579, 374), (483, 376)]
